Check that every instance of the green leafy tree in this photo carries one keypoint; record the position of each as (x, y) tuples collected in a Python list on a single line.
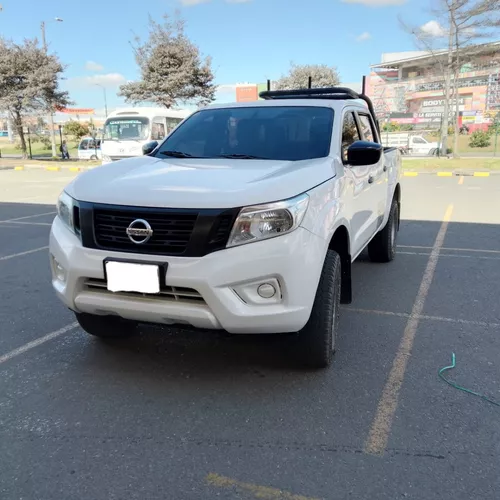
[(172, 68), (29, 81), (298, 77), (76, 129)]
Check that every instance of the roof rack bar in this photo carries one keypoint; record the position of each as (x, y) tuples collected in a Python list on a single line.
[(334, 93), (309, 92)]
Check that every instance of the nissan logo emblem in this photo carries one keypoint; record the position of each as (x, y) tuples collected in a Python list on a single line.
[(139, 231)]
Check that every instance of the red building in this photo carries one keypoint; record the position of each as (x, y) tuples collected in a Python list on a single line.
[(408, 88)]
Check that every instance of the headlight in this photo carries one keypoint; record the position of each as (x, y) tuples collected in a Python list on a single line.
[(65, 210), (261, 222)]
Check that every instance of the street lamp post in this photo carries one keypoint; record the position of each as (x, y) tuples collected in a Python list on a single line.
[(51, 115), (105, 99)]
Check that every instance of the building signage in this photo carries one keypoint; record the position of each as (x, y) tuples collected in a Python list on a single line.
[(440, 102)]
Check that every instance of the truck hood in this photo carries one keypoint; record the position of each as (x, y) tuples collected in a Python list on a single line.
[(198, 183)]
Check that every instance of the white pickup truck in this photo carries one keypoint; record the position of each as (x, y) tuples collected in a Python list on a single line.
[(246, 218)]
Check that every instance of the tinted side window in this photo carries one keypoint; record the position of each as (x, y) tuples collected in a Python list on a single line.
[(367, 128), (350, 133)]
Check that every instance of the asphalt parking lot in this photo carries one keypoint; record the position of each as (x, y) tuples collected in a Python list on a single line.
[(195, 416)]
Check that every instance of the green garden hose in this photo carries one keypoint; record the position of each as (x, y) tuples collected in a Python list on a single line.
[(456, 386)]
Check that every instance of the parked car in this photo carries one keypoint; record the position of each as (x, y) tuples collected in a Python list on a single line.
[(409, 143), (89, 149), (246, 218)]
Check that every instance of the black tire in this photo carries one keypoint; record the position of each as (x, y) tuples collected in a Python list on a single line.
[(316, 341), (106, 327), (93, 157), (383, 246)]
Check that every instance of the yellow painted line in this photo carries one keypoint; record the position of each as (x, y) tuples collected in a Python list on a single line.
[(481, 174), (461, 180), (378, 437), (53, 169), (445, 174), (260, 492), (18, 168), (410, 174), (75, 169)]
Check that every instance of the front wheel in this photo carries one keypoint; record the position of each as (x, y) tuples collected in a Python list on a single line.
[(316, 341), (383, 246), (93, 157), (106, 327)]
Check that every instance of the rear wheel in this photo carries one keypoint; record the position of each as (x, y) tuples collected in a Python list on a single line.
[(93, 157), (316, 341), (106, 327), (383, 246)]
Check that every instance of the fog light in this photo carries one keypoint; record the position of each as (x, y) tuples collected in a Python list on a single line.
[(266, 291), (59, 271)]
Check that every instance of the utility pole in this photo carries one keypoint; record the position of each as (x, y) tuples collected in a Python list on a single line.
[(447, 81), (105, 99), (51, 114)]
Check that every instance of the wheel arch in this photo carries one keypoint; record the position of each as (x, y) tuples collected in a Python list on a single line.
[(340, 243)]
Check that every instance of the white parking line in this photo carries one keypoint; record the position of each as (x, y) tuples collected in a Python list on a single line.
[(28, 217), (20, 254), (37, 342), (452, 255), (423, 316), (450, 249), (26, 223)]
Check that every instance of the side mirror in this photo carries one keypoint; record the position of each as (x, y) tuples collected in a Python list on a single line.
[(149, 147), (362, 153)]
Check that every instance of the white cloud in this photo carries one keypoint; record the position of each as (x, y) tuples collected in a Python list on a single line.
[(363, 37), (93, 66), (190, 3), (108, 80), (433, 29), (376, 3)]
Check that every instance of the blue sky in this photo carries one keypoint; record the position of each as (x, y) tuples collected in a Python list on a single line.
[(249, 41)]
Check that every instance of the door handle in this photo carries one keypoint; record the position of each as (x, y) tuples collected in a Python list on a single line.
[(385, 168), (370, 180)]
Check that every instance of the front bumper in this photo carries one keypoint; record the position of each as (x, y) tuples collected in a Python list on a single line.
[(217, 291)]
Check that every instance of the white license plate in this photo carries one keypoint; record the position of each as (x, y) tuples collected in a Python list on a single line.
[(128, 277)]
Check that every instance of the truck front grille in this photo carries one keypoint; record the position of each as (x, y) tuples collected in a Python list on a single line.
[(176, 232), (171, 231)]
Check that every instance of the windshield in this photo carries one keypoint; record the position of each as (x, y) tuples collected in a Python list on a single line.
[(126, 129), (266, 132)]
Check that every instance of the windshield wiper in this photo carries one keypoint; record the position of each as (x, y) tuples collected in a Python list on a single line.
[(243, 157), (176, 154)]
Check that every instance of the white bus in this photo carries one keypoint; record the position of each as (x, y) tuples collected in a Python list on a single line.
[(127, 130)]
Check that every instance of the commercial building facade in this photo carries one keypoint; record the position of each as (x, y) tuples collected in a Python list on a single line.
[(408, 88)]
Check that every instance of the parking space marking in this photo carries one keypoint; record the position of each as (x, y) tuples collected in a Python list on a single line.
[(461, 180), (424, 316), (29, 217), (20, 254), (378, 437), (27, 223), (257, 491), (450, 249), (452, 255), (35, 343)]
